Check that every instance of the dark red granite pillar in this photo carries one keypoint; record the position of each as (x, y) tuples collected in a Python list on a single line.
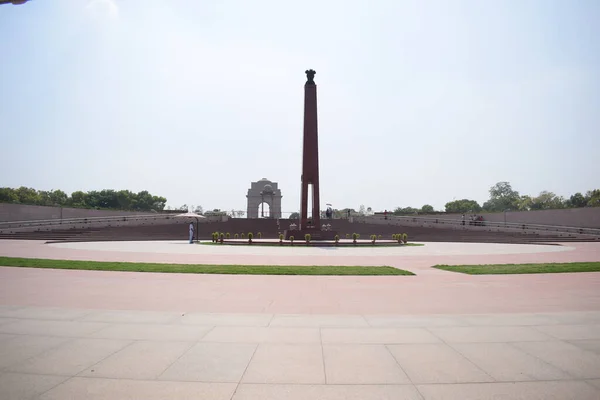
[(310, 157)]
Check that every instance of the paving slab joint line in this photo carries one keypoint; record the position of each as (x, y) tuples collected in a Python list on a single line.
[(544, 361), (402, 369), (111, 354), (68, 378), (77, 374), (80, 318), (272, 317), (177, 359), (366, 320), (212, 328), (108, 325), (462, 355), (322, 354), (244, 373), (546, 333), (6, 369)]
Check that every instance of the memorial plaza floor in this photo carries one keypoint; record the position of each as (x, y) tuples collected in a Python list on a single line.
[(67, 334)]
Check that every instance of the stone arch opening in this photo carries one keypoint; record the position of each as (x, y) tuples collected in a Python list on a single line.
[(264, 210), (265, 192)]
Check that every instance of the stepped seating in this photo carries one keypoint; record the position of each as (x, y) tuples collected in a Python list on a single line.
[(270, 230)]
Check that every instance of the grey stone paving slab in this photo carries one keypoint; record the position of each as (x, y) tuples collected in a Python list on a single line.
[(211, 362), (15, 386), (377, 335), (140, 360), (571, 332), (70, 358), (560, 390), (570, 358), (296, 356), (286, 363), (414, 321), (122, 389), (22, 347), (344, 321), (525, 319), (329, 392), (361, 364), (6, 336), (152, 332), (132, 317), (71, 329), (4, 321), (577, 317), (436, 363), (482, 334), (504, 362), (589, 345), (217, 319), (7, 311), (594, 382), (50, 313), (262, 335)]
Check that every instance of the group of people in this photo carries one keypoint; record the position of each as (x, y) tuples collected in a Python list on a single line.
[(473, 220), (329, 213)]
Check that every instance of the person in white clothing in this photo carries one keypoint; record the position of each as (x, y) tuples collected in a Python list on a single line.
[(191, 232)]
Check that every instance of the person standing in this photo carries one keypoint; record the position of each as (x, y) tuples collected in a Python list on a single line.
[(191, 232)]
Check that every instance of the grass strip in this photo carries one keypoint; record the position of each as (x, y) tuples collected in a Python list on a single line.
[(503, 269), (201, 268)]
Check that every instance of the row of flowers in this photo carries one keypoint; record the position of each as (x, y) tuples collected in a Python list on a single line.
[(219, 237)]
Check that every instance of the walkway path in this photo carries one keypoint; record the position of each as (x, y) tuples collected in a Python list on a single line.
[(438, 335)]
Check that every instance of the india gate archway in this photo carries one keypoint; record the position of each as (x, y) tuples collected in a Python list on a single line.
[(264, 191)]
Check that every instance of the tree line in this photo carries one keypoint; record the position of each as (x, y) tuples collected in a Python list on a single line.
[(106, 199), (504, 198)]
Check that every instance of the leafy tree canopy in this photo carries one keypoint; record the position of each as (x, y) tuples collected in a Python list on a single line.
[(104, 199)]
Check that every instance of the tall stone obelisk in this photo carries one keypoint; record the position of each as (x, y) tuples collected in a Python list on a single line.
[(310, 157)]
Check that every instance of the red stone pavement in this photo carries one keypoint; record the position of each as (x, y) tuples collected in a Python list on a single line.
[(430, 292)]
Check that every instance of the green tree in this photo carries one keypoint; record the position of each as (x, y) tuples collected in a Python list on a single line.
[(427, 208), (8, 195), (125, 199), (525, 203), (27, 195), (405, 210), (78, 199), (593, 198), (547, 201), (577, 200), (502, 197), (58, 198), (159, 202), (295, 215), (462, 206)]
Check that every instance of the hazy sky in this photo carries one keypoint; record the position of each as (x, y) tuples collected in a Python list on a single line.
[(419, 101)]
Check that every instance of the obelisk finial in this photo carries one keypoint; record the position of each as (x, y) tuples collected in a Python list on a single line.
[(310, 76)]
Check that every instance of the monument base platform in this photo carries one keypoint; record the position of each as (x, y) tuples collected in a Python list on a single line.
[(315, 234)]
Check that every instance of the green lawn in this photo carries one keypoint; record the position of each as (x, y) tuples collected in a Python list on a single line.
[(497, 269), (200, 268)]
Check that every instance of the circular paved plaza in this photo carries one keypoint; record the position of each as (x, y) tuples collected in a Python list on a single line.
[(437, 335)]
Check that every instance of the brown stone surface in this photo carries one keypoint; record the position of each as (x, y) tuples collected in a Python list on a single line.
[(431, 291), (310, 157)]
